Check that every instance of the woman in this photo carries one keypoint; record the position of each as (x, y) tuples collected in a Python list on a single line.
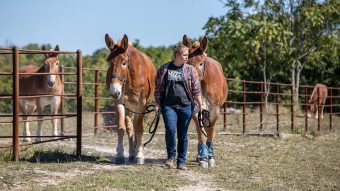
[(177, 88)]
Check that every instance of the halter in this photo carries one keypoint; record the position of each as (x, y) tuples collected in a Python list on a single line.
[(204, 68), (123, 79)]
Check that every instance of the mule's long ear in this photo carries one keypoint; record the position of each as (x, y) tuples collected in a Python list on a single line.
[(204, 44), (44, 48), (56, 49), (125, 42), (186, 41), (109, 42)]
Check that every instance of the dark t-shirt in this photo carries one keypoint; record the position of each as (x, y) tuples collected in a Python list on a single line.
[(175, 92)]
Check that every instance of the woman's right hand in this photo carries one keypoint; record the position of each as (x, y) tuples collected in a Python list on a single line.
[(156, 109)]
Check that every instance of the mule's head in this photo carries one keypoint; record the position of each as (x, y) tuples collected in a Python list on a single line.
[(197, 55), (119, 63), (310, 110), (51, 66)]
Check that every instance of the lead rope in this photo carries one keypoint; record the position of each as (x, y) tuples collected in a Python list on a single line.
[(153, 131), (204, 120), (205, 114), (155, 121)]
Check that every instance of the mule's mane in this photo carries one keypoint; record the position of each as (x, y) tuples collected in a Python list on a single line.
[(195, 50), (196, 44), (117, 51)]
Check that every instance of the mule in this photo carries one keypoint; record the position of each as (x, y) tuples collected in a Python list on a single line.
[(318, 96), (130, 81), (214, 94), (32, 85)]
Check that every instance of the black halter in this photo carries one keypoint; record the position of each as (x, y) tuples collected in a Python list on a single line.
[(204, 68), (123, 79)]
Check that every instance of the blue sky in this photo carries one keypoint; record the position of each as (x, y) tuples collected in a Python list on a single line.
[(82, 24)]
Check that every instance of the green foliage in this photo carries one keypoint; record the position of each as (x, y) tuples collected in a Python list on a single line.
[(279, 41), (272, 40), (159, 55), (97, 60)]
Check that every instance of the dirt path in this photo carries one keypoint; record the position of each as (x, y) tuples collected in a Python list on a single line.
[(201, 181)]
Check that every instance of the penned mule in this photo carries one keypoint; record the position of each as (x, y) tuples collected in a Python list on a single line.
[(130, 81), (214, 94), (319, 96), (32, 85)]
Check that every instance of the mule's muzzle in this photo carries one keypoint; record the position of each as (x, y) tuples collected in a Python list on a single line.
[(115, 94), (51, 84)]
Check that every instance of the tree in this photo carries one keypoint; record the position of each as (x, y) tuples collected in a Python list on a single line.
[(278, 36), (253, 39)]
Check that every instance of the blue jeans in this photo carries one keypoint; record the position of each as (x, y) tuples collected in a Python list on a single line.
[(177, 119)]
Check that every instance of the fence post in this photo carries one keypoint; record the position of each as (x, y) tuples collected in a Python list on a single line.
[(62, 109), (318, 109), (15, 155), (292, 108), (225, 116), (331, 110), (96, 108), (261, 107), (306, 109), (79, 101), (244, 107), (277, 109)]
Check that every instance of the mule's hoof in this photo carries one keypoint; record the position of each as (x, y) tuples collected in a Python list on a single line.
[(27, 140), (211, 163), (198, 158), (37, 140), (203, 164), (131, 159), (119, 160), (140, 161)]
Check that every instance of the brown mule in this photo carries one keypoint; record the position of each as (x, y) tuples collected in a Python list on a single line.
[(214, 94), (319, 95), (130, 81), (31, 85)]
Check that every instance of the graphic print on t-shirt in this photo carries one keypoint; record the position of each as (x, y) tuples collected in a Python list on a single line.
[(175, 75)]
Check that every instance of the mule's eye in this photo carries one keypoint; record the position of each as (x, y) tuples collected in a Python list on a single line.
[(57, 63), (201, 64), (124, 64)]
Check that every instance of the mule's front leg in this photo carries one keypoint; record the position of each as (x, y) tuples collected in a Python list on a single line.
[(40, 122), (130, 133), (138, 126), (54, 110), (26, 110), (120, 132), (26, 129)]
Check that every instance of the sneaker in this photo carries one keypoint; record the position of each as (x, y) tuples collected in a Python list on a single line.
[(169, 163), (182, 167)]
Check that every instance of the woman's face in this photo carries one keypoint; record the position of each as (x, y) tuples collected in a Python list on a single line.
[(182, 58)]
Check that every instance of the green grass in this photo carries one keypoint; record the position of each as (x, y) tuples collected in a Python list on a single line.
[(258, 163), (305, 161)]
